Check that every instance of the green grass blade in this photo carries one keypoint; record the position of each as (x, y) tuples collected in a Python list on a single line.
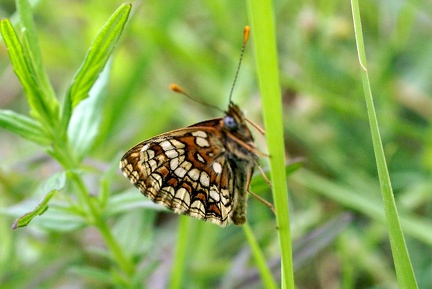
[(263, 269), (353, 198), (95, 60), (180, 253), (404, 270), (263, 30)]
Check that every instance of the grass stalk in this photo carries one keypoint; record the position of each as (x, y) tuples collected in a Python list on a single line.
[(266, 276), (404, 270), (180, 253), (263, 31)]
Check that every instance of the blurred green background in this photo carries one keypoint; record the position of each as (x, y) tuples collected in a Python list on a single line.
[(337, 221)]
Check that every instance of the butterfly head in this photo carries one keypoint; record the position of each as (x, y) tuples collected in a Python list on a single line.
[(230, 123), (235, 123)]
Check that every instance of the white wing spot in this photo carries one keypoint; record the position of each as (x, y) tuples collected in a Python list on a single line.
[(186, 165), (169, 190), (204, 179), (171, 154), (174, 163), (151, 166), (145, 147), (224, 196), (166, 145), (177, 144), (158, 179), (200, 158), (135, 175), (180, 152), (148, 154), (194, 174), (183, 195), (129, 167), (202, 142), (217, 168), (197, 205), (214, 194), (199, 133), (180, 172)]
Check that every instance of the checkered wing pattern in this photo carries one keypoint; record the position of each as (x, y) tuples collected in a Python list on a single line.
[(202, 171)]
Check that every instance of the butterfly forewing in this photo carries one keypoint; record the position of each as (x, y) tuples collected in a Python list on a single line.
[(202, 171)]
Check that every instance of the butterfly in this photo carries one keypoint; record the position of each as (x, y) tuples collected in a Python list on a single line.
[(202, 171)]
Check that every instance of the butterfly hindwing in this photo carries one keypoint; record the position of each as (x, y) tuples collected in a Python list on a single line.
[(202, 171), (185, 171)]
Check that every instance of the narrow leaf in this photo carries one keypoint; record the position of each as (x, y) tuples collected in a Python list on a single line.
[(404, 271), (96, 58), (263, 29), (264, 271), (128, 201), (53, 184), (23, 126), (92, 273), (39, 210), (84, 124), (259, 184), (22, 68), (33, 55)]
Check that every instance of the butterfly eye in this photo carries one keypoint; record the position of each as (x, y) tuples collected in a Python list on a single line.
[(230, 123)]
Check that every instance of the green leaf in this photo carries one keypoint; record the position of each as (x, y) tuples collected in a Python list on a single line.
[(358, 200), (259, 184), (263, 29), (107, 178), (22, 66), (96, 58), (24, 220), (129, 200), (84, 124), (53, 184), (32, 51), (23, 126), (404, 270), (61, 219), (92, 273), (263, 269)]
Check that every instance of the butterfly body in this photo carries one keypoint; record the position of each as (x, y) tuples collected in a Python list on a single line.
[(203, 170)]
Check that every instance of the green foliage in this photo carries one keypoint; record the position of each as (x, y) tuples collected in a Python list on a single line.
[(100, 232), (261, 14), (55, 183), (49, 128), (404, 270)]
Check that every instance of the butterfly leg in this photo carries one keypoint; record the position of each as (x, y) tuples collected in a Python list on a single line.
[(264, 176), (262, 200)]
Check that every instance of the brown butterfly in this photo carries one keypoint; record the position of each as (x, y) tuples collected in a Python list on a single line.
[(202, 171)]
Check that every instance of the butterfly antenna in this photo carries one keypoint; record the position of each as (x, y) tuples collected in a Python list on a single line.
[(246, 33), (174, 87)]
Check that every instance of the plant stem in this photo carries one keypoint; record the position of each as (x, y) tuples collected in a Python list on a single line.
[(264, 270), (94, 216), (264, 36)]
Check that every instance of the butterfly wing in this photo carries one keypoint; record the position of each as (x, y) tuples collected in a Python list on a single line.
[(186, 171)]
